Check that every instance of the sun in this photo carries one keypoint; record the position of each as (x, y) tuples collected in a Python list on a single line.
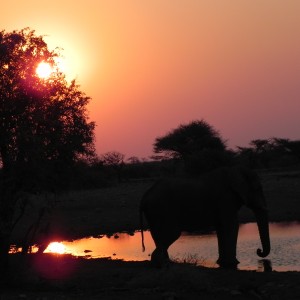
[(56, 247), (44, 70)]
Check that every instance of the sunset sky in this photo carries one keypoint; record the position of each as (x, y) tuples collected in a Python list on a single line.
[(150, 65)]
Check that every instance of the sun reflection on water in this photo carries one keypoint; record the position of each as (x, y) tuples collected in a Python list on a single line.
[(56, 247)]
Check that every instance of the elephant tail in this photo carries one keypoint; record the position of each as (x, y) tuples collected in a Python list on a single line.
[(142, 229)]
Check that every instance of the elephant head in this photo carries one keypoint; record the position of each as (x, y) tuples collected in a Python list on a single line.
[(246, 184)]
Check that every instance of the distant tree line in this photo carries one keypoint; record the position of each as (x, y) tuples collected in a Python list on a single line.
[(196, 147), (270, 153)]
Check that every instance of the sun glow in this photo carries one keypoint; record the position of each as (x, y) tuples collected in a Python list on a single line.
[(44, 70), (60, 64), (56, 247)]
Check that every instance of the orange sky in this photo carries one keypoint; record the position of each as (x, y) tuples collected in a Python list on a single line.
[(152, 65)]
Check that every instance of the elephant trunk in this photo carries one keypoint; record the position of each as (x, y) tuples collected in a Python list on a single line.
[(263, 228)]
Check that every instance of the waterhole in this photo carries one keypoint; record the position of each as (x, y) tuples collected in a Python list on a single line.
[(199, 249)]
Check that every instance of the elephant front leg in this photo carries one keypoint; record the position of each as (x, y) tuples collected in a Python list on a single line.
[(227, 234)]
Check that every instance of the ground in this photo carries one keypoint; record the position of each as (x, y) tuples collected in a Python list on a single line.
[(115, 209)]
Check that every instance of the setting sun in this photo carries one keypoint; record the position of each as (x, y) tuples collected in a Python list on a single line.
[(44, 70), (56, 247)]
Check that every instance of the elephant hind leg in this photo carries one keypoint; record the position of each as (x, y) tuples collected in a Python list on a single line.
[(160, 257), (163, 238)]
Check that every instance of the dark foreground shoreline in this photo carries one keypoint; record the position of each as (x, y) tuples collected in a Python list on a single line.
[(64, 277)]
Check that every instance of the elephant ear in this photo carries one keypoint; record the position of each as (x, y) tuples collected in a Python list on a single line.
[(238, 178)]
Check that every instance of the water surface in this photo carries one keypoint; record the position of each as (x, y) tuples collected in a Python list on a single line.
[(202, 249)]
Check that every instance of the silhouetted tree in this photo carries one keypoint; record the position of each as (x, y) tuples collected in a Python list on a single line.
[(133, 160), (270, 152), (263, 149), (188, 139), (44, 126), (197, 143), (261, 146), (114, 160), (292, 147)]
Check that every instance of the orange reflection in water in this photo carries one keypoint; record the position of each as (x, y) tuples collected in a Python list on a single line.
[(120, 246), (128, 247), (202, 249)]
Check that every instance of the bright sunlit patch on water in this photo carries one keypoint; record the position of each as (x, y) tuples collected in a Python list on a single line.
[(56, 247)]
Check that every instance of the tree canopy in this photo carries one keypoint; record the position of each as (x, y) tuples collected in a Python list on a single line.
[(197, 144), (188, 139), (42, 121)]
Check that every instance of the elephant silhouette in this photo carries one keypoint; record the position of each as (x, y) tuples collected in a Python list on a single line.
[(173, 205)]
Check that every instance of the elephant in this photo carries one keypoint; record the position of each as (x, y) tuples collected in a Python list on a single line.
[(212, 200)]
